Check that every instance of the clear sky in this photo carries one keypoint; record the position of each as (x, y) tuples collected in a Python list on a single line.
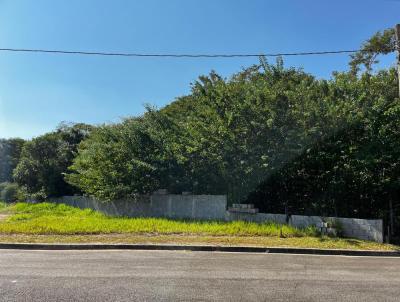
[(37, 91)]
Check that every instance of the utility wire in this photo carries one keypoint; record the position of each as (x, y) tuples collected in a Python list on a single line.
[(159, 55)]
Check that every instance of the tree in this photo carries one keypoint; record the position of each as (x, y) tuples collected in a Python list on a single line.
[(10, 150), (45, 159), (9, 192), (274, 136), (223, 138), (353, 170), (381, 43), (126, 159)]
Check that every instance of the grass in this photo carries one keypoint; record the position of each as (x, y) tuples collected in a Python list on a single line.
[(58, 223), (261, 241), (2, 205), (60, 219)]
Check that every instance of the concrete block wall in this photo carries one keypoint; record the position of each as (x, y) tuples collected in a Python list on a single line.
[(113, 208), (213, 207), (367, 229), (300, 221), (259, 217)]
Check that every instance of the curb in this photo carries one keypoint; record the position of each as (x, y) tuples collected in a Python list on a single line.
[(202, 248)]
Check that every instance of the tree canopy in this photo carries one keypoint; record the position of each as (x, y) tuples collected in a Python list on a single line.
[(270, 135), (10, 150), (46, 158)]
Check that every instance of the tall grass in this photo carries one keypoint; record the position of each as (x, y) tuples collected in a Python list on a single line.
[(49, 218)]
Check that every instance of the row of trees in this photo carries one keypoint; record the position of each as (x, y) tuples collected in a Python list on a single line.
[(10, 152), (38, 165), (274, 136)]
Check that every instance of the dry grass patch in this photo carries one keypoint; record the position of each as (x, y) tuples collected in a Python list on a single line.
[(301, 242)]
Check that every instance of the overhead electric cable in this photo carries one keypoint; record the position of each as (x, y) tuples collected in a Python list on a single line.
[(161, 55)]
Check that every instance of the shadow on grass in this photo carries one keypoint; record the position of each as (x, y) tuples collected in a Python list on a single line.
[(352, 242), (349, 241)]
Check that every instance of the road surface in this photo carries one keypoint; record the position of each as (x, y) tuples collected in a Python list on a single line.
[(194, 276)]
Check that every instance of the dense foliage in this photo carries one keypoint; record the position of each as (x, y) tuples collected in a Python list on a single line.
[(353, 170), (9, 192), (223, 138), (382, 43), (274, 136), (46, 158), (316, 146), (10, 150)]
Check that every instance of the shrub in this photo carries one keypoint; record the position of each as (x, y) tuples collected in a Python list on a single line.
[(9, 192)]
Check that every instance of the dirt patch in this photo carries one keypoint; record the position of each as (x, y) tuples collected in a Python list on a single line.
[(4, 216)]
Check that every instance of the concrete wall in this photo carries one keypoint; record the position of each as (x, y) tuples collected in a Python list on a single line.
[(259, 217), (366, 229), (213, 207), (170, 206)]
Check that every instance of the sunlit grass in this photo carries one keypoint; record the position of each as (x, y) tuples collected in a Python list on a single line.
[(49, 218), (52, 223), (260, 241)]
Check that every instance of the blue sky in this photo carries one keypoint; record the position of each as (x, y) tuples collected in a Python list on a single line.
[(37, 91)]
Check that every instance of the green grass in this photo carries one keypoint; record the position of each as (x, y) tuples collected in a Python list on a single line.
[(52, 223), (3, 206), (261, 241), (60, 219)]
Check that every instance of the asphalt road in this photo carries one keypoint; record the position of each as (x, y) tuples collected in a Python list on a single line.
[(194, 276)]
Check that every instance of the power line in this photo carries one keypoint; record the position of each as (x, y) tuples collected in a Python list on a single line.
[(159, 55)]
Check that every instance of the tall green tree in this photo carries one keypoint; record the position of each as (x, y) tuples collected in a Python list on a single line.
[(270, 135), (353, 170), (46, 158), (10, 150), (381, 43), (223, 138), (126, 159)]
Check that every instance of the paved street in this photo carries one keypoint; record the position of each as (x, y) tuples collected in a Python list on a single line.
[(194, 276)]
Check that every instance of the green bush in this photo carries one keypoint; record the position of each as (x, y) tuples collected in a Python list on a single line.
[(9, 192), (3, 185)]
